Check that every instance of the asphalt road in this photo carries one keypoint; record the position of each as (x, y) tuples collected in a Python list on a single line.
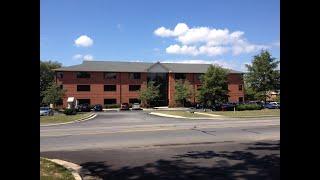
[(136, 145)]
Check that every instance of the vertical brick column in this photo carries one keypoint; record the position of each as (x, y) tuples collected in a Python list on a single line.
[(171, 84)]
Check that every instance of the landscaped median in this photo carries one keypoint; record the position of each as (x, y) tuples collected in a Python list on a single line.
[(181, 114), (62, 118), (248, 113), (219, 114), (51, 170)]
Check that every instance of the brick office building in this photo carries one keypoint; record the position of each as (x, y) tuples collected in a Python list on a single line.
[(107, 82)]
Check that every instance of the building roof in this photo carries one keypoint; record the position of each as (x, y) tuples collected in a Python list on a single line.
[(121, 66)]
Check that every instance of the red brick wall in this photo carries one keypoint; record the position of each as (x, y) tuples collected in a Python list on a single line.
[(171, 84), (234, 81), (97, 82)]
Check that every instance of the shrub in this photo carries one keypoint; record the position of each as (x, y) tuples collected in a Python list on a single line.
[(242, 107), (107, 106), (70, 112)]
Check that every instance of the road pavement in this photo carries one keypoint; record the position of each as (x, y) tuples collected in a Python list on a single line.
[(136, 145)]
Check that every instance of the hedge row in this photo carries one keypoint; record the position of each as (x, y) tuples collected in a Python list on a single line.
[(243, 107)]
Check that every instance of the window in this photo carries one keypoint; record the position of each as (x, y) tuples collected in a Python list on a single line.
[(134, 87), (198, 76), (83, 101), (240, 99), (110, 88), (59, 75), (134, 100), (110, 75), (83, 75), (83, 87), (179, 76), (240, 87), (110, 101), (61, 86), (135, 75)]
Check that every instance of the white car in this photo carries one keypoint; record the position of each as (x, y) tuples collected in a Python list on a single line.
[(136, 106)]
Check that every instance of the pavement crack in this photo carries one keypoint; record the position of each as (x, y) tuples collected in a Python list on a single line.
[(206, 132), (251, 131)]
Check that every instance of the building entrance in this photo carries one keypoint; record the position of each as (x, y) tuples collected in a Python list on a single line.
[(162, 80)]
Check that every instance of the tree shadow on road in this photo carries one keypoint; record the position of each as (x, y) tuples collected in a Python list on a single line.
[(251, 166)]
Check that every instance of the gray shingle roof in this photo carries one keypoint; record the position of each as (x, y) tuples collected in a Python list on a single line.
[(120, 66)]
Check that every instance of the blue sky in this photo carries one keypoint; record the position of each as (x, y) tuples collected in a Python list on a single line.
[(225, 32)]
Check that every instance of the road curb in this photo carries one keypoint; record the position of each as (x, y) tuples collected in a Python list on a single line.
[(220, 117), (91, 116), (178, 117), (74, 168)]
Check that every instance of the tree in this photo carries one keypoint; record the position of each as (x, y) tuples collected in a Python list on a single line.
[(149, 94), (262, 75), (214, 87), (182, 92), (53, 94), (46, 75)]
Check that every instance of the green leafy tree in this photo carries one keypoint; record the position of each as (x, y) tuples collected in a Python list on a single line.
[(214, 87), (149, 94), (249, 93), (182, 92), (53, 94), (46, 75), (262, 75)]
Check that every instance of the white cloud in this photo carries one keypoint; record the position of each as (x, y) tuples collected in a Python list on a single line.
[(88, 57), (191, 61), (176, 49), (206, 41), (180, 29), (222, 63), (194, 51), (245, 47), (77, 56), (163, 32), (276, 44), (83, 41)]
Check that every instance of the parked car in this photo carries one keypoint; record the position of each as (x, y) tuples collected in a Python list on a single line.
[(83, 107), (224, 107), (272, 105), (97, 107), (136, 106), (124, 106), (46, 111)]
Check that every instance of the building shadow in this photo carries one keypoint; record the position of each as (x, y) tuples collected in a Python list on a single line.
[(251, 166)]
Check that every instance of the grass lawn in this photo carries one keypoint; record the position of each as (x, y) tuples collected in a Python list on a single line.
[(53, 171), (248, 113), (61, 118), (182, 113)]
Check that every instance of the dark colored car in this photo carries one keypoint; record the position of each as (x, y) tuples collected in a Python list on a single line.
[(83, 108), (224, 107), (124, 106), (97, 107)]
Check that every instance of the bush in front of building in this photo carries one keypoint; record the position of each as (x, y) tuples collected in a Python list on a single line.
[(70, 112), (243, 107), (108, 106)]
